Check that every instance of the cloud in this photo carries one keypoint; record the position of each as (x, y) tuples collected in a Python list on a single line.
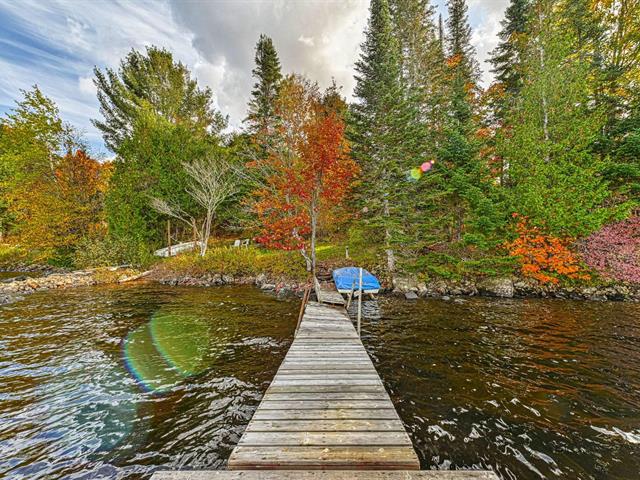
[(318, 38), (485, 16), (57, 43), (308, 41)]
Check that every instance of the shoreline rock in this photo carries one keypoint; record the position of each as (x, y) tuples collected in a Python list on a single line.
[(13, 290), (262, 281), (506, 287)]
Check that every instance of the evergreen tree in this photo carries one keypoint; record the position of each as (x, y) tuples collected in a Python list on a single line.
[(422, 63), (506, 58), (261, 117), (386, 132), (156, 117), (150, 165), (555, 177), (152, 79), (469, 212), (458, 41)]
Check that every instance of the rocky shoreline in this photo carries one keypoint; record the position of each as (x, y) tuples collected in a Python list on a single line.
[(11, 291), (411, 288), (407, 287), (262, 281), (504, 287)]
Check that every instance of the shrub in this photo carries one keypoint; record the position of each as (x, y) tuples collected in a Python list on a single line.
[(614, 250), (110, 251), (240, 262), (544, 257)]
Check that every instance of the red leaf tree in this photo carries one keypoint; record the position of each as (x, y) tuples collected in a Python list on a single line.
[(308, 170), (614, 250)]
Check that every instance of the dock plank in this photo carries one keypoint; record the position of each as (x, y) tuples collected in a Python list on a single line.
[(327, 475)]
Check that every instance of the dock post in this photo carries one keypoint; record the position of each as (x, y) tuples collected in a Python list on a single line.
[(359, 301), (168, 238)]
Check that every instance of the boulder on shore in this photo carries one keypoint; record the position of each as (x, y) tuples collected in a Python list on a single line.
[(496, 287)]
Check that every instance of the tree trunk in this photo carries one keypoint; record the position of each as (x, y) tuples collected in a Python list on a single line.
[(206, 234), (314, 227), (307, 259), (545, 109), (391, 258)]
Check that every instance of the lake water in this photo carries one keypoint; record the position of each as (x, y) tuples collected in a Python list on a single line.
[(116, 382)]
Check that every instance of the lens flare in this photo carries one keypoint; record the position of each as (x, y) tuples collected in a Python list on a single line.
[(183, 341), (146, 364), (426, 166), (416, 173)]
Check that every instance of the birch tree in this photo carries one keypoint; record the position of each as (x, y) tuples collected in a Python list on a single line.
[(211, 181)]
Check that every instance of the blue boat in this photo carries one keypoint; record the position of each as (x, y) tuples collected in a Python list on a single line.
[(347, 280)]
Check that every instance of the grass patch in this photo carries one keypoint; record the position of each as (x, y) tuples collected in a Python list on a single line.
[(239, 262)]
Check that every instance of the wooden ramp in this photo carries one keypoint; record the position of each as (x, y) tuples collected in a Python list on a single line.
[(326, 407), (326, 293)]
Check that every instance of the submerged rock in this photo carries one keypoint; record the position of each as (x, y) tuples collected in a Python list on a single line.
[(411, 296)]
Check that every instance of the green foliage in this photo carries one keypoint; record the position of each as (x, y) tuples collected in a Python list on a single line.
[(152, 81), (150, 166), (507, 56), (261, 117), (388, 138), (110, 251), (12, 254), (240, 262), (555, 177)]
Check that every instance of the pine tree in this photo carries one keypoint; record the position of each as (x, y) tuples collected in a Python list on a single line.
[(469, 212), (506, 58), (458, 41), (386, 132), (422, 62), (152, 79), (261, 117)]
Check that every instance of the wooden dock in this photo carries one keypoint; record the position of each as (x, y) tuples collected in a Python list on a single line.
[(326, 293), (325, 416), (326, 407)]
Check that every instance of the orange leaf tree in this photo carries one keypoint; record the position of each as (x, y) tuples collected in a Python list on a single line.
[(56, 211), (543, 257), (308, 171)]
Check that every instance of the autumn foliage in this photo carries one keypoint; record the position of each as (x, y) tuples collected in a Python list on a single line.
[(309, 171), (614, 250), (56, 210), (543, 257)]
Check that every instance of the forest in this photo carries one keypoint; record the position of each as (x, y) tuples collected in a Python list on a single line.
[(425, 172)]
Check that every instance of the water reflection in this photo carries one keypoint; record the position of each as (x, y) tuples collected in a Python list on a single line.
[(529, 388), (70, 407)]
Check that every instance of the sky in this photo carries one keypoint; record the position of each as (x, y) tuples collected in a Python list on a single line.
[(57, 43)]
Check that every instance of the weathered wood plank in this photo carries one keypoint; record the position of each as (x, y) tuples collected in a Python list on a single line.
[(326, 404), (344, 438), (323, 388), (331, 457), (351, 414), (324, 425), (326, 475), (325, 396)]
